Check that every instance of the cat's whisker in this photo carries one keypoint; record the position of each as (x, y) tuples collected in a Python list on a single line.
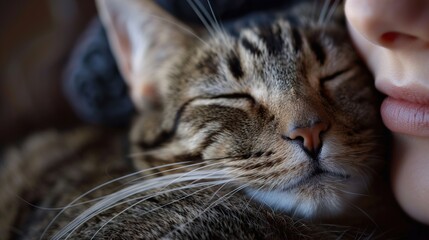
[(101, 186), (217, 191), (204, 161), (363, 179), (371, 170), (209, 20), (380, 235), (71, 204), (314, 9), (363, 212), (154, 209), (192, 184), (331, 12), (341, 235), (170, 190), (224, 197), (323, 12), (181, 27), (255, 192), (203, 19), (164, 171), (194, 170), (59, 208), (236, 178), (219, 25), (154, 152), (351, 193), (129, 191), (362, 174), (210, 17)]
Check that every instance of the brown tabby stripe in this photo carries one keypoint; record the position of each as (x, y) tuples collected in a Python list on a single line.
[(272, 39), (318, 51), (234, 65), (163, 138), (194, 157), (209, 140), (208, 64), (252, 48), (297, 40)]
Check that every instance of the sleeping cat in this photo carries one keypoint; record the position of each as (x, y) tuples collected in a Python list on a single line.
[(264, 128)]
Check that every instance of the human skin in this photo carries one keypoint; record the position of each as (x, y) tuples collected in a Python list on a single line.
[(393, 38)]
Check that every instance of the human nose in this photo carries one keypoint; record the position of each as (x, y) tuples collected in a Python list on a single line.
[(391, 23)]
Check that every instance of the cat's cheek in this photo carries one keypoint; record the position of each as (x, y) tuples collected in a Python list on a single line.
[(217, 151)]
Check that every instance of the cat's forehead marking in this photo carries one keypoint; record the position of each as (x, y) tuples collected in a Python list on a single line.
[(234, 65), (268, 61), (318, 51), (251, 43), (272, 37), (250, 47)]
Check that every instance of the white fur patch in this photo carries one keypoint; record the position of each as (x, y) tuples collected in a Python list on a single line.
[(291, 202)]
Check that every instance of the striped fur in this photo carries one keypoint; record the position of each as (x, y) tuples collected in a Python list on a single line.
[(211, 141), (239, 94)]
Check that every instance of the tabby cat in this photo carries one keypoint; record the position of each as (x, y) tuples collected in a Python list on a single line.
[(265, 127)]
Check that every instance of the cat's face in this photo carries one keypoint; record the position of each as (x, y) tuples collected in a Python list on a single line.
[(285, 109)]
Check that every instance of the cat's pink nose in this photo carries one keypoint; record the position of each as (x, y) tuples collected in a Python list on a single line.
[(309, 136)]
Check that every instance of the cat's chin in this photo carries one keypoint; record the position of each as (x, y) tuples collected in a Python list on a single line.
[(313, 202)]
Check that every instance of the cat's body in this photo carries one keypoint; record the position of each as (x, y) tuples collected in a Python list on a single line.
[(260, 127), (80, 162)]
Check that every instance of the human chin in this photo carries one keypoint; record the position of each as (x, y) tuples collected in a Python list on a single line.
[(410, 176)]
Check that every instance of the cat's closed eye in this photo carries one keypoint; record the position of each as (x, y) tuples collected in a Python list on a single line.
[(333, 76)]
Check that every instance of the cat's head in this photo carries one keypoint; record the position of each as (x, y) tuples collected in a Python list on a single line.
[(284, 107)]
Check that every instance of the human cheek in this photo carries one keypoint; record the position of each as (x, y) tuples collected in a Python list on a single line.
[(410, 176), (390, 23), (392, 36)]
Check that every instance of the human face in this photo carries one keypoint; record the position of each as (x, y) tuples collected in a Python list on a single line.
[(393, 38)]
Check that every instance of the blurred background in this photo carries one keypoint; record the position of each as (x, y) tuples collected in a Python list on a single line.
[(36, 40)]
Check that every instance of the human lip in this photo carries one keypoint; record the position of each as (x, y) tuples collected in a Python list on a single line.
[(405, 109), (405, 117), (413, 94)]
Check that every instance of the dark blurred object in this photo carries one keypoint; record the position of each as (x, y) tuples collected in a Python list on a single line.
[(36, 37), (93, 84), (222, 9), (418, 231)]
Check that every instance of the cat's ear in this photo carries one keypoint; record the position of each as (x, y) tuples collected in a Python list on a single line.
[(145, 41)]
